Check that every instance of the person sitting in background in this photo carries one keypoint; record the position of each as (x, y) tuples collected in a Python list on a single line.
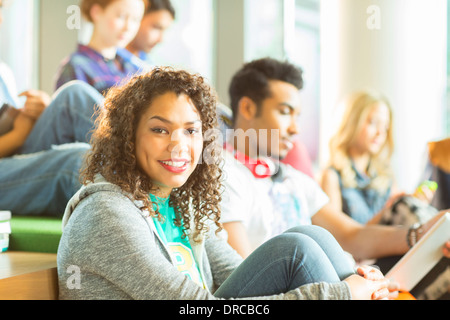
[(45, 121), (359, 179), (439, 157), (98, 63), (37, 177), (297, 157), (150, 201), (39, 183), (258, 203), (158, 17)]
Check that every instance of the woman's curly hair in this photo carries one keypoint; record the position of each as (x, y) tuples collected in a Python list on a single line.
[(113, 153)]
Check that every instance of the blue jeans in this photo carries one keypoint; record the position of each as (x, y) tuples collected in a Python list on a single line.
[(301, 255), (69, 118), (43, 178), (41, 183)]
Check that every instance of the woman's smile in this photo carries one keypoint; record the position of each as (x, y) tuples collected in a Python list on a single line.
[(175, 166)]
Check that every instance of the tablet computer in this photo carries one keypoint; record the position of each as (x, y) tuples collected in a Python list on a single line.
[(422, 257)]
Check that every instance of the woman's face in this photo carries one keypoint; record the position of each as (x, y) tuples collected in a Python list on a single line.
[(169, 141), (374, 130), (119, 22)]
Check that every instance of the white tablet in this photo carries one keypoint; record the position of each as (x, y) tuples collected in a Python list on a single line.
[(422, 257)]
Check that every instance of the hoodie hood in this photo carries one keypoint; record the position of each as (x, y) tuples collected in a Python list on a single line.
[(99, 185)]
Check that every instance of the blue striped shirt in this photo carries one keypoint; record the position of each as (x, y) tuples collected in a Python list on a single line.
[(90, 66)]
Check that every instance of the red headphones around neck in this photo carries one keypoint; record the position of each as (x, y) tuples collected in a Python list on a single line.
[(260, 168)]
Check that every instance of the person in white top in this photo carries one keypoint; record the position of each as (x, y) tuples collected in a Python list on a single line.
[(292, 199), (41, 181), (265, 100)]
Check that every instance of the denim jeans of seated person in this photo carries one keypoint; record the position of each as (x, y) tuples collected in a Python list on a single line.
[(69, 118), (41, 183), (299, 256)]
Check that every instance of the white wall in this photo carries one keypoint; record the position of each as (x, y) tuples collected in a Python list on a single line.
[(58, 39), (229, 35)]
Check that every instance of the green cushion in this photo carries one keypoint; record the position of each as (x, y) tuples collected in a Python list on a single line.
[(35, 234)]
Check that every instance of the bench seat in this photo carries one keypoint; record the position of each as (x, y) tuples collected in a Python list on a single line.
[(35, 234)]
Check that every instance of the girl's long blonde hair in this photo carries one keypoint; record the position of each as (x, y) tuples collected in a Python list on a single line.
[(357, 109)]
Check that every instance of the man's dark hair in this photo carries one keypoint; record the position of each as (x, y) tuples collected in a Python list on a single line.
[(157, 5), (252, 80)]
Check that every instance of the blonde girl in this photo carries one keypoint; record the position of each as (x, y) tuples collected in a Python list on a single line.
[(359, 179)]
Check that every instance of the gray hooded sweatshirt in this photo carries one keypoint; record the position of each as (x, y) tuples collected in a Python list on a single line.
[(110, 249)]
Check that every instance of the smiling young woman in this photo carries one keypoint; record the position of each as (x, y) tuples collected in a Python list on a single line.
[(150, 141), (145, 223)]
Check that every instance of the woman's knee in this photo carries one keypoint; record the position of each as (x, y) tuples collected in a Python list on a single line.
[(294, 244), (74, 86), (75, 91), (313, 231)]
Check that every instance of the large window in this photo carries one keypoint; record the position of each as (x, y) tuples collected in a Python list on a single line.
[(289, 30), (303, 48), (263, 28), (189, 41), (18, 44)]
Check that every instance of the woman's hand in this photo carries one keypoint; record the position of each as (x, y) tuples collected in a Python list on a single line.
[(374, 274), (364, 289), (36, 103), (425, 191), (370, 273), (370, 284)]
